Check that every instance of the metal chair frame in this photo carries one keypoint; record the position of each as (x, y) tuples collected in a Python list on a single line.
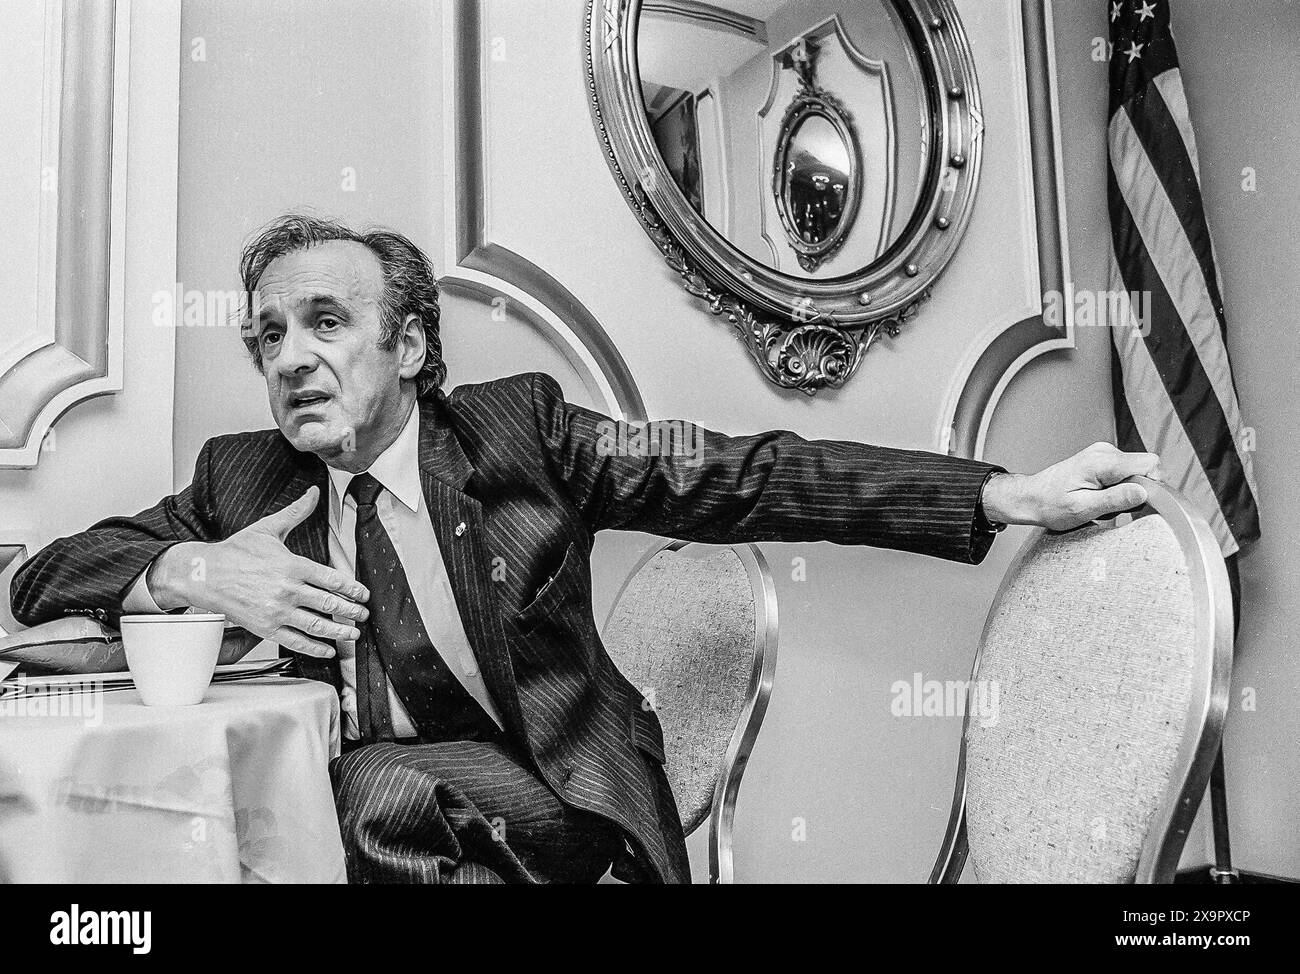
[(732, 766), (1211, 676)]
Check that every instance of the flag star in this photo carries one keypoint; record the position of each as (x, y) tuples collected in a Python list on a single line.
[(1114, 12), (1134, 51), (1147, 10)]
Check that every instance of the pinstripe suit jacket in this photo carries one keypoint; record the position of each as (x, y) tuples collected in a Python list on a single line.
[(520, 468)]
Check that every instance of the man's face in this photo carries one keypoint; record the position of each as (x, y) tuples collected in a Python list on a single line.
[(332, 389)]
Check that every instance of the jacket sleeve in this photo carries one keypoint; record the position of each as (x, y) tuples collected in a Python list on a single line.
[(89, 573), (680, 480)]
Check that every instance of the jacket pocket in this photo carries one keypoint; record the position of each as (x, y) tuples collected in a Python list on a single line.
[(553, 593)]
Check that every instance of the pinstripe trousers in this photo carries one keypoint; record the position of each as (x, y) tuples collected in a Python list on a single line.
[(461, 812)]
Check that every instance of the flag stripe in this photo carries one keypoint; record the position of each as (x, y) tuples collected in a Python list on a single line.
[(1127, 437), (1141, 383), (1186, 384), (1170, 85), (1170, 251), (1168, 157)]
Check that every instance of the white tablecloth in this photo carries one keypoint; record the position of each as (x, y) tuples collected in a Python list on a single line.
[(235, 789)]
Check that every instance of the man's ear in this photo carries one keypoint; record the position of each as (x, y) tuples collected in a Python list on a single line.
[(413, 347)]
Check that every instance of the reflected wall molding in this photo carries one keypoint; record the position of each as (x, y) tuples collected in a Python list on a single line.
[(484, 270), (77, 353), (707, 15), (833, 28)]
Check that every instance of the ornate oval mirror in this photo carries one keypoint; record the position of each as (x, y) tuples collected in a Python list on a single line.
[(816, 178), (806, 168)]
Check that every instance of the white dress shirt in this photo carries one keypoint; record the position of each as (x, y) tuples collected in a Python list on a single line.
[(402, 511)]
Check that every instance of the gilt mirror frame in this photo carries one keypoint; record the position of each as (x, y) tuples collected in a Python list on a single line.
[(803, 334)]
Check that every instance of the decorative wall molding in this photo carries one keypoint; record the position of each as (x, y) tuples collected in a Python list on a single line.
[(82, 356), (484, 270), (707, 15), (997, 360)]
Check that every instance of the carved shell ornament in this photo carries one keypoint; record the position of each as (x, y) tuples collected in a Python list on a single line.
[(816, 246)]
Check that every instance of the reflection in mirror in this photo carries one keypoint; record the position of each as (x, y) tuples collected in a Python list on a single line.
[(817, 171), (815, 179), (799, 129)]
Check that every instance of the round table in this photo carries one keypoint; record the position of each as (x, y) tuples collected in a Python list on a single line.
[(235, 789)]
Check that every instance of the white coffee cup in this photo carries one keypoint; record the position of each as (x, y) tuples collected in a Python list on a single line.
[(172, 657)]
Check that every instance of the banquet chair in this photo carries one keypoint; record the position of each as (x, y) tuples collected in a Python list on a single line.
[(1108, 652), (697, 636)]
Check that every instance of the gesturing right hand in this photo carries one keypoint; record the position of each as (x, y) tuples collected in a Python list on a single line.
[(261, 585)]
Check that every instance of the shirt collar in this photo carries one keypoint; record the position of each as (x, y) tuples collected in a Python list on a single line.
[(397, 468)]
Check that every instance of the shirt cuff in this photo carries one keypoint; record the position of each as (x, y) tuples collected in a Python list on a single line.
[(138, 601), (982, 523), (982, 530)]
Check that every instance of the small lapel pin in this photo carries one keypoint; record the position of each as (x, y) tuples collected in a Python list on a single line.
[(460, 529)]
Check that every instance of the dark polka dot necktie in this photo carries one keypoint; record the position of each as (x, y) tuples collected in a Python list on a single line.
[(395, 647)]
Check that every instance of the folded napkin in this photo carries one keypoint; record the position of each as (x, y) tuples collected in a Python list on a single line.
[(80, 644)]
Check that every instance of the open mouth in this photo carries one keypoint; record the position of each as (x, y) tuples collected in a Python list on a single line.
[(307, 400)]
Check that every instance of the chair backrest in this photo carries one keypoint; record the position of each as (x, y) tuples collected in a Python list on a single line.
[(1096, 704), (697, 636)]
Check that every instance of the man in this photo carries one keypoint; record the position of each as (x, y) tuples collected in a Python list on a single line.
[(428, 555)]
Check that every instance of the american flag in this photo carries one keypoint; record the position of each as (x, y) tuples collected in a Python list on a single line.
[(1174, 391)]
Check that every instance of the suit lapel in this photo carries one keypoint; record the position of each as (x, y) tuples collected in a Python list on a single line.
[(311, 538), (458, 524)]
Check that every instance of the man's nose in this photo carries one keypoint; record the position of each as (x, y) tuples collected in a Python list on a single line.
[(296, 353)]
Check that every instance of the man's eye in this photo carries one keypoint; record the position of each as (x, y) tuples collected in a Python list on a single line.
[(270, 337), (327, 323)]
